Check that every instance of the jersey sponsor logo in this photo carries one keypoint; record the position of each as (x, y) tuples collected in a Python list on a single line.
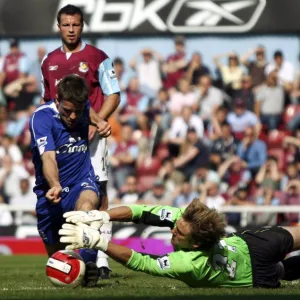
[(163, 262), (184, 15), (69, 148), (83, 67), (112, 74), (166, 214), (53, 68)]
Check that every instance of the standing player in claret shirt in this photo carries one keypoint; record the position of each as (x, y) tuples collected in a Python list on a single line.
[(91, 63)]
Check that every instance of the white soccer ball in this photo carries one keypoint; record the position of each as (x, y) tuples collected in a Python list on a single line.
[(65, 269)]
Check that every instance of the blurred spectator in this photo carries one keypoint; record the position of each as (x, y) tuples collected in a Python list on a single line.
[(10, 177), (208, 97), (252, 151), (224, 146), (134, 105), (193, 153), (183, 97), (269, 104), (284, 69), (257, 66), (291, 145), (239, 198), (129, 192), (148, 71), (14, 80), (246, 92), (171, 177), (185, 195), (8, 146), (196, 69), (26, 198), (120, 73), (266, 196), (202, 175), (6, 218), (210, 195), (241, 118), (159, 195), (234, 175), (232, 73), (269, 175), (295, 94), (291, 196), (291, 174), (175, 65), (160, 109), (3, 120), (219, 117), (178, 131), (123, 156)]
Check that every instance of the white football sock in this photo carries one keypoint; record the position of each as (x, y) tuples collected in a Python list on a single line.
[(106, 231)]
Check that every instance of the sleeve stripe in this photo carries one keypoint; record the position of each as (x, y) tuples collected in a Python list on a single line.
[(42, 77), (104, 74), (33, 127)]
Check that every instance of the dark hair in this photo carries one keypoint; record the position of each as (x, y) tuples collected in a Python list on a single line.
[(70, 10), (118, 60), (272, 157), (207, 226), (278, 53), (225, 123), (74, 89)]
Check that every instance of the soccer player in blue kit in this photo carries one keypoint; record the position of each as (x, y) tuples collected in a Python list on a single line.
[(65, 178)]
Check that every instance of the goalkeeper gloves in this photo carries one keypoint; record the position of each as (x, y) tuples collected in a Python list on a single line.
[(94, 218), (82, 236)]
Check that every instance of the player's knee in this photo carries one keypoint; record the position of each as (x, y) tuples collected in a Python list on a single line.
[(88, 200)]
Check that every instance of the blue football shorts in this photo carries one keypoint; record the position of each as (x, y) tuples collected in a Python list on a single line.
[(50, 216)]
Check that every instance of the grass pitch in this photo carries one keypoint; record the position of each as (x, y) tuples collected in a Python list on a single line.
[(23, 277)]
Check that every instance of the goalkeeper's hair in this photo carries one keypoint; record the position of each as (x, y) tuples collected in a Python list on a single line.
[(207, 225), (74, 89), (70, 10)]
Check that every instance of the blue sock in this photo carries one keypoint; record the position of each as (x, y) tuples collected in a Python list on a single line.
[(88, 255)]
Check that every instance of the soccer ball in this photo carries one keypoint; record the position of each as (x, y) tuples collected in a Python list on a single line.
[(65, 269)]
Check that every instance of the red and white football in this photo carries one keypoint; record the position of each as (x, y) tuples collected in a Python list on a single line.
[(65, 268)]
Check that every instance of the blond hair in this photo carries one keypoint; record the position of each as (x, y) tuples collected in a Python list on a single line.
[(207, 225)]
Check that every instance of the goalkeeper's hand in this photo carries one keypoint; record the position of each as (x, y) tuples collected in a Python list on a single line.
[(94, 218), (82, 236)]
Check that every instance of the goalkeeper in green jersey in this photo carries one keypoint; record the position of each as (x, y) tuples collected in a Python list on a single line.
[(203, 257)]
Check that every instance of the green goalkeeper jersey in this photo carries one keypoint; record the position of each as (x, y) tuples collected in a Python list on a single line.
[(228, 264)]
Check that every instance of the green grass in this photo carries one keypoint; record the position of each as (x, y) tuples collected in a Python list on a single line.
[(23, 277)]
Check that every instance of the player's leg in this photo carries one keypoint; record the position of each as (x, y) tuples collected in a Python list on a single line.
[(89, 200), (50, 220), (99, 152), (291, 265), (106, 230)]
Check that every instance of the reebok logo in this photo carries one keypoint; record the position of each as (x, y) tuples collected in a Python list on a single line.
[(215, 16)]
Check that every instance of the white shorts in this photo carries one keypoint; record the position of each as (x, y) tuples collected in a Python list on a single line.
[(99, 152)]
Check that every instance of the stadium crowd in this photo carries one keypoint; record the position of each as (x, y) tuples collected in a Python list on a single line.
[(230, 136)]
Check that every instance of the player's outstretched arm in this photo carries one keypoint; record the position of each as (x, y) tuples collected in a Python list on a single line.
[(177, 265), (163, 216)]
